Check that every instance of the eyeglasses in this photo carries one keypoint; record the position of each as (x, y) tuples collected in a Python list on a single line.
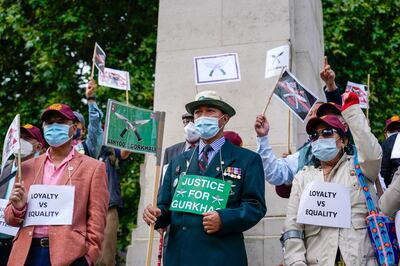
[(326, 133)]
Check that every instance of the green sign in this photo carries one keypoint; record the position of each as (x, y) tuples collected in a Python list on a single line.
[(131, 128), (200, 194)]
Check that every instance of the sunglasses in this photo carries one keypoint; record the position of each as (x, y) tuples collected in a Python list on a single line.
[(326, 133)]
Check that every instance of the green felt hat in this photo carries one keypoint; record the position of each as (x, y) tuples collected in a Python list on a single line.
[(210, 98)]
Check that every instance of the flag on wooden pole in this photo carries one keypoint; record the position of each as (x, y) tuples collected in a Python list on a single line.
[(294, 95), (11, 142), (99, 58)]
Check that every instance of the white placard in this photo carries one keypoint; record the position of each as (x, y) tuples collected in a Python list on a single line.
[(277, 58), (396, 148), (362, 92), (216, 68), (4, 228), (114, 78), (50, 205), (325, 204)]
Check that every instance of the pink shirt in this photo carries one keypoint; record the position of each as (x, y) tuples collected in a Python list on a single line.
[(51, 176)]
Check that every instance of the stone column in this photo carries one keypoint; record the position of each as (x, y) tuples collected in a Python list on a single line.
[(249, 28)]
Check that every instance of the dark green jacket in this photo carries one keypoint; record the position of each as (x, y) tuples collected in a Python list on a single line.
[(188, 244)]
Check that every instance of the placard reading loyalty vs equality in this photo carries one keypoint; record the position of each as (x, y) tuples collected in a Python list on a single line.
[(50, 205), (325, 204)]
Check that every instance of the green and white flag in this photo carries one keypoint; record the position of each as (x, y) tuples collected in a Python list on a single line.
[(200, 194), (131, 128)]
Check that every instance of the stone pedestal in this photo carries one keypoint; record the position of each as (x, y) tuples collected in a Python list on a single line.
[(249, 28)]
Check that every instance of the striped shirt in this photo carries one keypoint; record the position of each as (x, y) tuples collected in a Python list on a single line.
[(216, 145)]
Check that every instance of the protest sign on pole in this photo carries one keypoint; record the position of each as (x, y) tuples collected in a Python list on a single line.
[(216, 68), (137, 130), (131, 128), (11, 142), (361, 90), (98, 60), (294, 95), (114, 78), (277, 58)]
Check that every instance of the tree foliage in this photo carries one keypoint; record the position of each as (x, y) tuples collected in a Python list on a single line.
[(362, 37), (46, 47)]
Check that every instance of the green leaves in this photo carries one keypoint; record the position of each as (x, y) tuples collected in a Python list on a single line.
[(45, 45), (362, 37)]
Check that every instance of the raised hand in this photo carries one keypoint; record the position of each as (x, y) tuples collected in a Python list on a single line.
[(328, 75)]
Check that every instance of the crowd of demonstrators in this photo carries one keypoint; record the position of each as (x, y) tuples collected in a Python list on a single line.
[(338, 132), (64, 163)]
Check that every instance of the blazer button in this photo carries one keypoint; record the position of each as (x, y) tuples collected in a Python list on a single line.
[(184, 228)]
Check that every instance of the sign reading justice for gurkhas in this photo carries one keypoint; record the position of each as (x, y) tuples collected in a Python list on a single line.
[(200, 194)]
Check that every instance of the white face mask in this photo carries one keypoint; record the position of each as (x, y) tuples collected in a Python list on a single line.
[(26, 148), (191, 133)]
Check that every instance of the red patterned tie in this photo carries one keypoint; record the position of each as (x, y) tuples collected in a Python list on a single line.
[(203, 161)]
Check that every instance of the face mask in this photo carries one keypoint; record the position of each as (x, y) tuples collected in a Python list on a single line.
[(77, 133), (26, 148), (56, 134), (207, 126), (191, 133), (324, 149)]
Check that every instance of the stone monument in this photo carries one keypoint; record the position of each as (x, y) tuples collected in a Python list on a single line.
[(205, 27)]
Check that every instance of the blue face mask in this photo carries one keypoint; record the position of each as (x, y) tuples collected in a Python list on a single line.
[(207, 126), (324, 149), (56, 134)]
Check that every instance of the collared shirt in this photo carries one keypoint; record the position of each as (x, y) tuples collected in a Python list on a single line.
[(52, 176), (216, 145), (276, 171)]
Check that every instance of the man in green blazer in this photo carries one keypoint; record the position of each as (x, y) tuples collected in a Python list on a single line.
[(214, 237)]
